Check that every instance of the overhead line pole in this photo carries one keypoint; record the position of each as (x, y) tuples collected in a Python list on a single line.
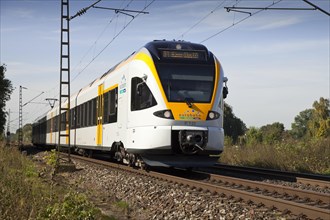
[(63, 116), (20, 117)]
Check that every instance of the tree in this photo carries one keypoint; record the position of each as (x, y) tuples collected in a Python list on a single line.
[(6, 89), (299, 127), (319, 125), (313, 123), (253, 136), (272, 133), (233, 126)]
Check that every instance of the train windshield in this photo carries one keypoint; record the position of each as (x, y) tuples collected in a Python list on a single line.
[(191, 83)]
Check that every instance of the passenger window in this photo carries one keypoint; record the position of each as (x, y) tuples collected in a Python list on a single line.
[(110, 106), (113, 106), (105, 107), (141, 96), (94, 104), (78, 116)]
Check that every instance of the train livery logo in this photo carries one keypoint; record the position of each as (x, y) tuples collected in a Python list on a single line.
[(190, 114), (122, 86)]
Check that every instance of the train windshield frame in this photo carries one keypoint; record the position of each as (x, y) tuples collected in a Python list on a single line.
[(187, 81)]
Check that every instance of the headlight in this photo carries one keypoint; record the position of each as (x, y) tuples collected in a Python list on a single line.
[(164, 114), (212, 115)]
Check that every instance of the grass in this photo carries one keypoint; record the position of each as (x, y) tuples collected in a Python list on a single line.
[(25, 195), (122, 204), (21, 194), (300, 156)]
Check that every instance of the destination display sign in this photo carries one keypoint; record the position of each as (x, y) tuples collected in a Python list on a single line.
[(183, 54)]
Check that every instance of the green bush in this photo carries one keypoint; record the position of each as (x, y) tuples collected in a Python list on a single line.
[(51, 158), (74, 206)]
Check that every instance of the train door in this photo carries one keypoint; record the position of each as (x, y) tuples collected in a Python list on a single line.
[(99, 116)]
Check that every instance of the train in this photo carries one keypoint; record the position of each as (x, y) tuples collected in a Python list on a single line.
[(161, 106)]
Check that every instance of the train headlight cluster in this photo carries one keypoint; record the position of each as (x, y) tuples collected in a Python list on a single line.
[(212, 115), (164, 114)]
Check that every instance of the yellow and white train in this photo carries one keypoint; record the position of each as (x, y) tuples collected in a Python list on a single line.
[(163, 105)]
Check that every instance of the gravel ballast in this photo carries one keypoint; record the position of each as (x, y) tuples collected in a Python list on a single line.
[(149, 198)]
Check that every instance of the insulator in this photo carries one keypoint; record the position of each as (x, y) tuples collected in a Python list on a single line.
[(81, 12)]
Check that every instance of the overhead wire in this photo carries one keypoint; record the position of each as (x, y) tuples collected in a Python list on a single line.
[(92, 46), (240, 21), (101, 51), (202, 19), (98, 38)]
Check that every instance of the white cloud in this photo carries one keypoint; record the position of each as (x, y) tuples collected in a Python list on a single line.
[(275, 24)]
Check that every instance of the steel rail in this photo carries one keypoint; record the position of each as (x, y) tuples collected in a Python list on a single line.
[(283, 190), (308, 179)]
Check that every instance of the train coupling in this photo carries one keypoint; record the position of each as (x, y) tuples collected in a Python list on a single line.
[(192, 141)]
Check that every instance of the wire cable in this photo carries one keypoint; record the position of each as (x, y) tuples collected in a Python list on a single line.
[(98, 38), (88, 51), (236, 23), (124, 27), (202, 19), (100, 35)]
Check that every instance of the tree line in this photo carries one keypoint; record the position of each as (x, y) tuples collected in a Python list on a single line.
[(313, 123), (6, 88)]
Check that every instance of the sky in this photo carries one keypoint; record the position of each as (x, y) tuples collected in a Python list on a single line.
[(276, 61)]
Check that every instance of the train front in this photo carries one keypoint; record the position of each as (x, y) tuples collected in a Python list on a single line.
[(187, 121)]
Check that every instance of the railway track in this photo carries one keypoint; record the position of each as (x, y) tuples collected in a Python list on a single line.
[(321, 181), (309, 204)]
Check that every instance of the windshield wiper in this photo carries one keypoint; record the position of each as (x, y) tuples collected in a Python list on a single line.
[(189, 102)]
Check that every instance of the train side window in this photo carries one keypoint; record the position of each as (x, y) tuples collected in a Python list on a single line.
[(55, 124), (113, 96), (141, 96), (89, 118), (82, 111), (85, 114), (78, 116), (94, 103), (62, 119), (48, 126), (72, 118), (82, 115), (106, 107)]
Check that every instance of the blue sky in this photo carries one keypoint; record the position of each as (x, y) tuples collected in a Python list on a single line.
[(277, 62)]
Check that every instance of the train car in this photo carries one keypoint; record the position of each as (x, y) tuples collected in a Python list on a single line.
[(163, 106)]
